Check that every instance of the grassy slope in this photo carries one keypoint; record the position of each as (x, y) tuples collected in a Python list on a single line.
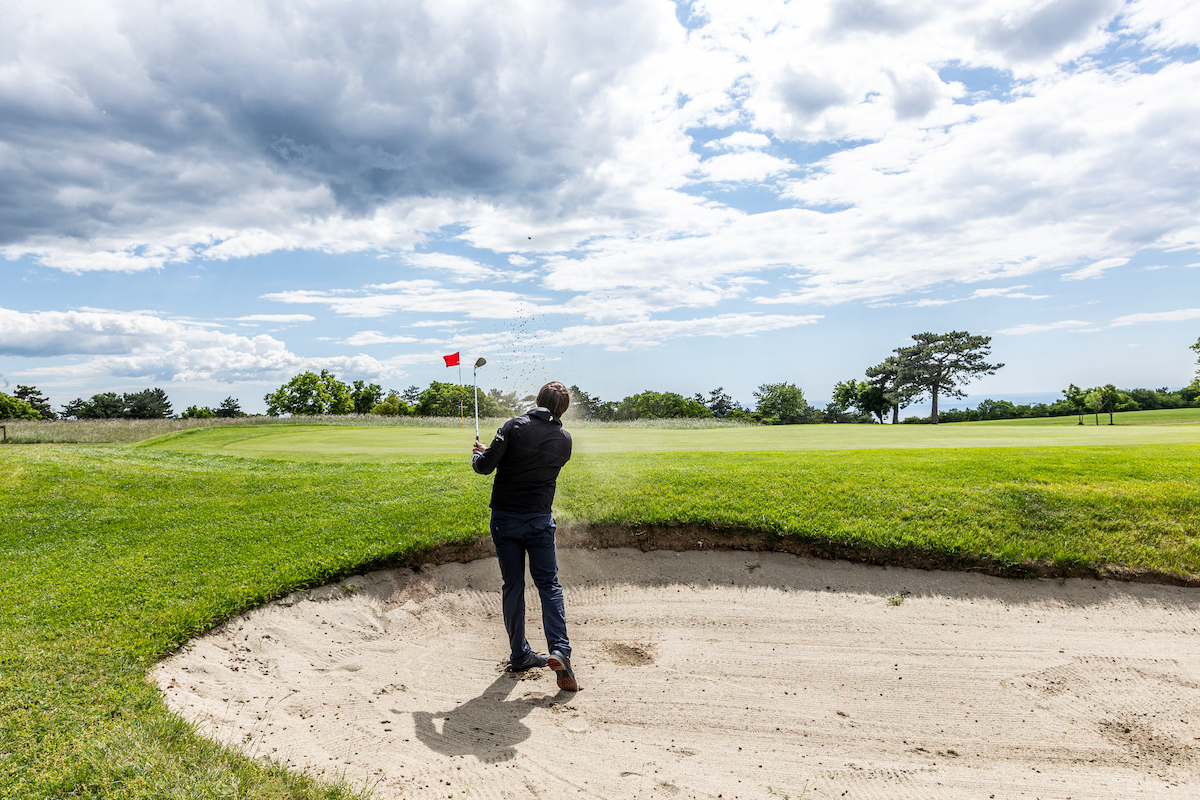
[(348, 443), (1137, 506), (113, 556)]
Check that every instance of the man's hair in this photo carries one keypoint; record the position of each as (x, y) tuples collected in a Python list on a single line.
[(554, 397)]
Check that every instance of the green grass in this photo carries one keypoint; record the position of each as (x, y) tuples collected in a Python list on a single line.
[(1162, 416), (126, 431), (1134, 506), (112, 556), (349, 443)]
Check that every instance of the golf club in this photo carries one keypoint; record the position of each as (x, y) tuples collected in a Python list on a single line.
[(475, 375)]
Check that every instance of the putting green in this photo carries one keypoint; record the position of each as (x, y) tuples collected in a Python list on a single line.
[(370, 443)]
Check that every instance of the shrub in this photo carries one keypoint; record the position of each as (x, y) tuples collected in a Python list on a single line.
[(783, 404), (660, 405), (740, 414), (310, 394), (16, 408), (392, 406), (452, 400)]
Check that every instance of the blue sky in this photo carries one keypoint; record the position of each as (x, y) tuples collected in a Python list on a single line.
[(625, 196)]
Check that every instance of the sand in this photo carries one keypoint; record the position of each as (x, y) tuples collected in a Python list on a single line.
[(717, 675)]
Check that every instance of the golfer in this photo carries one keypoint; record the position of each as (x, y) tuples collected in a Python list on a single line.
[(527, 454)]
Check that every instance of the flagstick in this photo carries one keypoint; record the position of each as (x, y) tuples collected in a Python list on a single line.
[(461, 423)]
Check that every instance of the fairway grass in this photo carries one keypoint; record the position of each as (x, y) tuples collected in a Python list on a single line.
[(1161, 416), (111, 557), (356, 444)]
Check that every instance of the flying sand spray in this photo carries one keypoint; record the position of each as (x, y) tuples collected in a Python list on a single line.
[(475, 376)]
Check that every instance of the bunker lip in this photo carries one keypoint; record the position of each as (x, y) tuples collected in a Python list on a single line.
[(681, 537)]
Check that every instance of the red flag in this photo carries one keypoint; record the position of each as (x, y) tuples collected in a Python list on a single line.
[(451, 360)]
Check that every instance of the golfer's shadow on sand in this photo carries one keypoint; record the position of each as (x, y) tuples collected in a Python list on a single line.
[(488, 727)]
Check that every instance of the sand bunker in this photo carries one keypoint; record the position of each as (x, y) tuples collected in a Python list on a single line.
[(717, 675)]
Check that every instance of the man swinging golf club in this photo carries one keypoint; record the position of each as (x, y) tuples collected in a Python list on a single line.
[(527, 454)]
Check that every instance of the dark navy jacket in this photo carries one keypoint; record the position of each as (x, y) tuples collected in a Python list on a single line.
[(527, 454)]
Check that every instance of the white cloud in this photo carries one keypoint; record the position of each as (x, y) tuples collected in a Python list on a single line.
[(1095, 270), (1157, 316), (420, 295), (1165, 24), (274, 318), (616, 336), (741, 140), (146, 346), (1067, 324), (376, 337), (1009, 291), (435, 323), (1041, 31), (648, 333), (140, 135), (744, 167), (1003, 291), (463, 270)]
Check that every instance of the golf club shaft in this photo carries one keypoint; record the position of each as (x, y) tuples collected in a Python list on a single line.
[(475, 381)]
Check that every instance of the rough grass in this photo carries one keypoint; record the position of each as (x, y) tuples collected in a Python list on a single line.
[(128, 431), (111, 557)]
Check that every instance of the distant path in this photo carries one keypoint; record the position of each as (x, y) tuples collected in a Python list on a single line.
[(730, 674)]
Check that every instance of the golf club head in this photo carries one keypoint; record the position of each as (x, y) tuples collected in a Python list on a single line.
[(480, 362)]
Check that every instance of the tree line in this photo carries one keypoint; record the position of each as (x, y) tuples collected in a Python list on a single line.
[(311, 394), (28, 402), (775, 404), (939, 365), (315, 394), (934, 366), (1079, 402)]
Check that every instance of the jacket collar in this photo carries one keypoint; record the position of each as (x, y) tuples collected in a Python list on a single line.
[(544, 414)]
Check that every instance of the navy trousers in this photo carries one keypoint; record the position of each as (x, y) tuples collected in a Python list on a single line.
[(515, 536)]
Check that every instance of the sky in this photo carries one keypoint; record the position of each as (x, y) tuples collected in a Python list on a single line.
[(213, 197)]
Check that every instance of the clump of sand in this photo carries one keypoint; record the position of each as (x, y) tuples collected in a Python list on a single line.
[(717, 674)]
